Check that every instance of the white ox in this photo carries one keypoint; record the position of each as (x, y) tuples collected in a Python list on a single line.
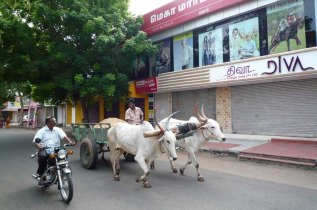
[(130, 138), (208, 129)]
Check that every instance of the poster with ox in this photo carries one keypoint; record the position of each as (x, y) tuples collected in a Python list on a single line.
[(286, 26)]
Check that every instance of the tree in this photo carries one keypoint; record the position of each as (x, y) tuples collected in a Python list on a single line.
[(18, 44), (18, 51), (87, 50), (6, 94)]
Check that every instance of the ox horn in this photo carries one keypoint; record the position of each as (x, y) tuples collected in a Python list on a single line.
[(168, 120), (202, 112), (151, 133), (198, 115), (155, 120)]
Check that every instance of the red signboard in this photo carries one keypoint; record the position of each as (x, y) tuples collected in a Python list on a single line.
[(146, 85), (181, 11)]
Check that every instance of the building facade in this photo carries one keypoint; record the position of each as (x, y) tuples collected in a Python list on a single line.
[(251, 62)]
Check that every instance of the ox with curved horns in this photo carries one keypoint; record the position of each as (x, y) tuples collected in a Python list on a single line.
[(205, 130), (142, 141)]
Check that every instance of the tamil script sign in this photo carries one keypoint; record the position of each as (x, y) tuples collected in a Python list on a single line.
[(181, 11), (286, 64), (146, 85)]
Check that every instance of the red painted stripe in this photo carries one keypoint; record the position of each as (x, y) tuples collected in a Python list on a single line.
[(277, 160)]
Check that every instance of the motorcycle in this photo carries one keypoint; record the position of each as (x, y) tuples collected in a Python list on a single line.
[(57, 171), (25, 120)]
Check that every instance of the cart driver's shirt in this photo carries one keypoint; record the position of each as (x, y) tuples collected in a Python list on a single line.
[(50, 138), (134, 115)]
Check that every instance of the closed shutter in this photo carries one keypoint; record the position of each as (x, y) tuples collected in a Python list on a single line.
[(161, 99), (185, 101), (279, 108)]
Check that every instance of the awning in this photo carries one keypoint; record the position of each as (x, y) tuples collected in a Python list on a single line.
[(9, 110)]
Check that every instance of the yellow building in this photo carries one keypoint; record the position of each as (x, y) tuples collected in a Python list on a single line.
[(98, 113)]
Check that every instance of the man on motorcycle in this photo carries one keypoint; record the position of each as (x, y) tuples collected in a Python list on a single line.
[(48, 137)]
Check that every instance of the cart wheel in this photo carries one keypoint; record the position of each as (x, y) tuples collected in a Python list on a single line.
[(129, 157), (88, 153)]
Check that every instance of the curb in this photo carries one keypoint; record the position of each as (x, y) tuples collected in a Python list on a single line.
[(230, 152)]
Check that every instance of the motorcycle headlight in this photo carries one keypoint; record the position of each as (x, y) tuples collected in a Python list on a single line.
[(61, 154)]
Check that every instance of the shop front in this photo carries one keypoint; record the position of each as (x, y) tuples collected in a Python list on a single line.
[(250, 62), (269, 95)]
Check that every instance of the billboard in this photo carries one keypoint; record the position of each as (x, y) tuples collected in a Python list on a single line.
[(146, 85), (244, 39), (286, 26), (183, 51), (210, 47), (139, 68), (161, 62), (181, 11)]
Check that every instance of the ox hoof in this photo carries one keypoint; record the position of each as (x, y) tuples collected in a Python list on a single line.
[(201, 179), (152, 167), (147, 185), (181, 171), (174, 170), (116, 178)]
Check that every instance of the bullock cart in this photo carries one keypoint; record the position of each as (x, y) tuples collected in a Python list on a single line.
[(93, 138)]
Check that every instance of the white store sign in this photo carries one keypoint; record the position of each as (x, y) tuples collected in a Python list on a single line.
[(281, 65)]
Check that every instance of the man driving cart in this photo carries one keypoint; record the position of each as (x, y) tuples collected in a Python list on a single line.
[(134, 116)]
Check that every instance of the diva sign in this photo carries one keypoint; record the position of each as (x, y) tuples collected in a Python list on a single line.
[(281, 65)]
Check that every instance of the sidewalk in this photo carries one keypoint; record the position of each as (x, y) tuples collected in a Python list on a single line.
[(291, 150)]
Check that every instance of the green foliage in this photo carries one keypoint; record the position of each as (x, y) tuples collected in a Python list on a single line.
[(6, 94), (71, 49)]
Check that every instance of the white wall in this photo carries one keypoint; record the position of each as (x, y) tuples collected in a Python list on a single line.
[(61, 115)]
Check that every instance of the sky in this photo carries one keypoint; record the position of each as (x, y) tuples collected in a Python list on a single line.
[(141, 7)]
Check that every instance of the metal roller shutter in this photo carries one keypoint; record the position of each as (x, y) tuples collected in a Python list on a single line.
[(279, 108), (185, 101), (161, 99)]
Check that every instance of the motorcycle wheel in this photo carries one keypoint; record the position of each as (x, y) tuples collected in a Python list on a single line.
[(66, 188)]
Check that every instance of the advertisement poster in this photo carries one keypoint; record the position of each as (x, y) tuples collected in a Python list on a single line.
[(139, 68), (183, 51), (146, 85), (286, 26), (161, 62), (244, 39), (210, 47)]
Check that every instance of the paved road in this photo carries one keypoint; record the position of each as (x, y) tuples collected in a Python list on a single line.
[(235, 185)]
